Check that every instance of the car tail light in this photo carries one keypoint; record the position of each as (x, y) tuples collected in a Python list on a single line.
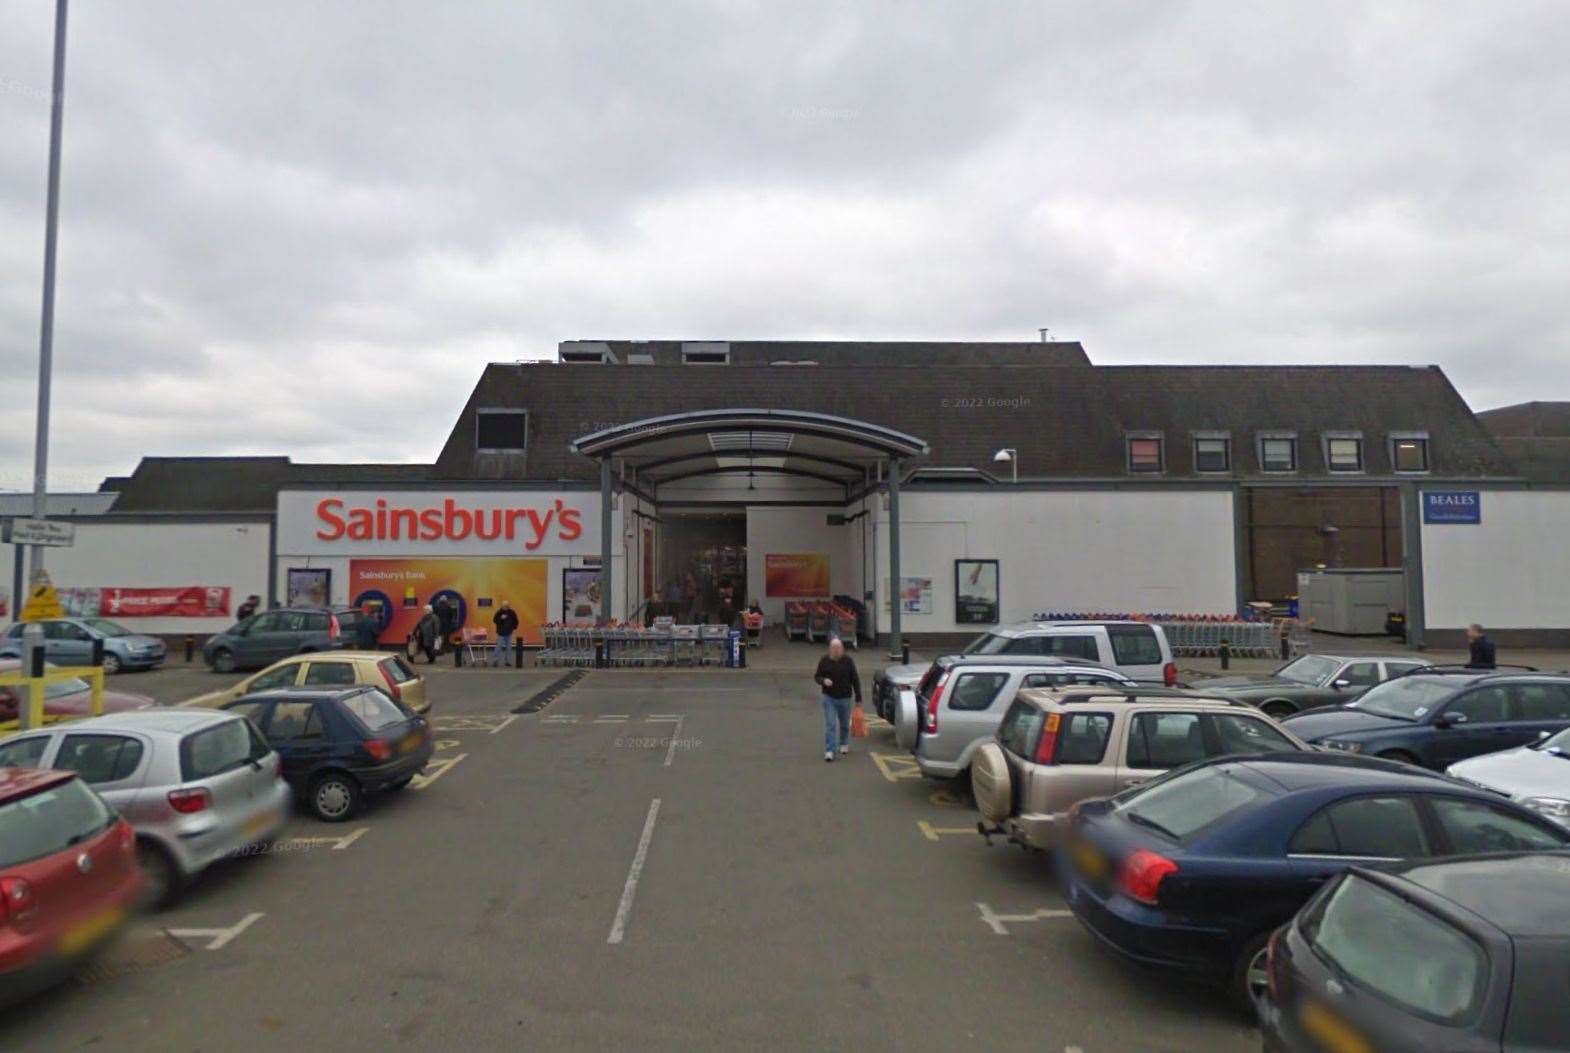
[(127, 837), (378, 749), (931, 726), (1169, 674), (1143, 873), (332, 627), (189, 802), (1047, 747), (392, 685), (1270, 966), (16, 898)]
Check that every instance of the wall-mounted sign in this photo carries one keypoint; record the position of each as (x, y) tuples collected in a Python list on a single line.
[(580, 596), (476, 586), (46, 532), (915, 596), (308, 587), (1452, 506), (796, 575), (976, 592), (438, 523)]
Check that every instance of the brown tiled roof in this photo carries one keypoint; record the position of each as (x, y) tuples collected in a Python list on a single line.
[(236, 484), (1536, 436), (860, 353)]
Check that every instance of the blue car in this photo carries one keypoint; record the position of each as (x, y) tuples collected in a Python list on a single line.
[(1438, 717), (69, 641), (1193, 870)]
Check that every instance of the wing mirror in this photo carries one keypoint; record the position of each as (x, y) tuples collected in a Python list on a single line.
[(1449, 720), (1341, 684), (1541, 735)]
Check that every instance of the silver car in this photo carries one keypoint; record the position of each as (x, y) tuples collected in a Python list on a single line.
[(197, 785), (1535, 776), (961, 701), (69, 641)]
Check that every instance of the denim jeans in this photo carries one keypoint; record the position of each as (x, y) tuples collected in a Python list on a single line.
[(499, 654), (836, 723)]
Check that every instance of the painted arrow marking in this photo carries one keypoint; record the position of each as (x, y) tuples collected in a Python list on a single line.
[(996, 922), (217, 939), (338, 843)]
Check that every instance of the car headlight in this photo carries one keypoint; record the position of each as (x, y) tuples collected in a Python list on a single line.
[(1345, 747), (1555, 808)]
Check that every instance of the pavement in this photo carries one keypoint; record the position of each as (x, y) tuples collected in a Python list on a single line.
[(657, 860)]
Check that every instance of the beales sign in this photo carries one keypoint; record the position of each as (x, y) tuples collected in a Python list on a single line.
[(1452, 506), (433, 522)]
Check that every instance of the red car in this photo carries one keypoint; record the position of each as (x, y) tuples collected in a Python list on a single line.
[(65, 698), (68, 876)]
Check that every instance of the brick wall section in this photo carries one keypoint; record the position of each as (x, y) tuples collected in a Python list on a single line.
[(1286, 533)]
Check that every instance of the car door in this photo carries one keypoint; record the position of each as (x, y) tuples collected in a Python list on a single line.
[(1374, 828), (294, 727), (329, 672), (250, 639), (1472, 827), (73, 644), (25, 751), (972, 708), (287, 675), (1474, 722), (1158, 740), (1353, 679), (1394, 669), (1540, 708), (1235, 733), (112, 764), (56, 644)]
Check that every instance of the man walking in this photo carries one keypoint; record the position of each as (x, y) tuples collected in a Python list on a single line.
[(506, 622), (427, 631), (1480, 648), (838, 680)]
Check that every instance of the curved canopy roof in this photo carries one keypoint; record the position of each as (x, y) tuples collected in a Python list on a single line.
[(708, 442)]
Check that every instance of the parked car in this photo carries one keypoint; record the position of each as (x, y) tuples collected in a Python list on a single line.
[(390, 672), (960, 702), (267, 636), (1058, 747), (68, 877), (1535, 776), (1464, 954), (339, 745), (1437, 717), (1192, 871), (197, 786), (69, 641), (66, 698), (1312, 680), (1138, 650)]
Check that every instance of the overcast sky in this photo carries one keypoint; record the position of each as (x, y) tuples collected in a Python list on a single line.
[(304, 228)]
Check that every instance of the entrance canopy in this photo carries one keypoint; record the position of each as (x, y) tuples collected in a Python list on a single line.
[(710, 442)]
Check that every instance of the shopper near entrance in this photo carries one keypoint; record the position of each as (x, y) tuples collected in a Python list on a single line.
[(506, 622), (446, 620), (427, 633), (1480, 648), (838, 680)]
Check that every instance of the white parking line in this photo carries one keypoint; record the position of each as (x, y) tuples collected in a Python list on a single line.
[(624, 909), (443, 766), (677, 717), (338, 843), (670, 753), (507, 720), (996, 921), (562, 718), (217, 938), (611, 718)]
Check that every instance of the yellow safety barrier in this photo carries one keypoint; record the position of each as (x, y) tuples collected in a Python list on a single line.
[(93, 674)]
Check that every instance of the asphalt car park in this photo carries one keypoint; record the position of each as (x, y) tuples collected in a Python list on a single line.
[(655, 859)]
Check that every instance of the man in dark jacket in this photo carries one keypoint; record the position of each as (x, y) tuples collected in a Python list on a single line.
[(506, 622), (446, 619), (426, 632), (248, 608), (838, 680), (1480, 648)]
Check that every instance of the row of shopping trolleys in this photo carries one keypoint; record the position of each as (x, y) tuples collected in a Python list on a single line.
[(671, 645)]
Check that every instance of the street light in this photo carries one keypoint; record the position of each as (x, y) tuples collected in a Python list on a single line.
[(1011, 456)]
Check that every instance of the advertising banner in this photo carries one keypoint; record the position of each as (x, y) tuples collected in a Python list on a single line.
[(179, 601), (404, 586), (580, 595), (308, 587), (438, 523), (796, 575), (976, 591), (915, 596)]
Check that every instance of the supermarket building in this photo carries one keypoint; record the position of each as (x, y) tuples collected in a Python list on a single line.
[(947, 486)]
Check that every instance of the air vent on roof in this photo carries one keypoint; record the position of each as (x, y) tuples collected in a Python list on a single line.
[(705, 353), (748, 440), (585, 352)]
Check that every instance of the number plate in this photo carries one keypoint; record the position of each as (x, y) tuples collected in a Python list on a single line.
[(1090, 861), (80, 937), (1331, 1032), (260, 823), (412, 743)]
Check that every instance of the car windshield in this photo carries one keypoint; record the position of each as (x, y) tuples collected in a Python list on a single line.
[(42, 824), (107, 627), (991, 643), (1189, 802), (1310, 669), (1405, 698)]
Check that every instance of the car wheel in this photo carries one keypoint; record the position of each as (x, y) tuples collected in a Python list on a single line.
[(162, 876), (335, 797), (1401, 755), (1277, 709), (1249, 975), (990, 783), (111, 664), (223, 660)]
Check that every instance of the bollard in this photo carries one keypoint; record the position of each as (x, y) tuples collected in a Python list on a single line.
[(1225, 654), (1286, 647), (190, 649), (517, 652), (904, 654), (599, 654), (457, 655)]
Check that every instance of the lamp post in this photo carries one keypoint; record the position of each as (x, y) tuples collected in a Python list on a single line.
[(46, 329), (1010, 455)]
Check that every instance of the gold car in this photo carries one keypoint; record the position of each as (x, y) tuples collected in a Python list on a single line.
[(390, 672)]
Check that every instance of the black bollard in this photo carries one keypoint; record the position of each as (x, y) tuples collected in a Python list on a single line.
[(98, 653), (517, 652), (190, 649), (1226, 654), (904, 654), (457, 654), (1286, 647)]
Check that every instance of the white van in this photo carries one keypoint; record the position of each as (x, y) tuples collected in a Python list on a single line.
[(1138, 650)]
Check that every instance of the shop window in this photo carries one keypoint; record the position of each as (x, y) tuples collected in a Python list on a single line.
[(501, 431), (1212, 454), (1409, 453), (1344, 453), (1278, 453), (1144, 454)]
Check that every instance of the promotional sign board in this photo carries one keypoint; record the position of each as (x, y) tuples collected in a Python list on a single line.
[(438, 523), (308, 587), (915, 596), (580, 595), (1453, 506), (45, 532), (404, 586), (796, 575), (976, 591), (178, 601)]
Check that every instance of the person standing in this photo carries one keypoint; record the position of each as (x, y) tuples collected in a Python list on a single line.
[(248, 608), (368, 627), (426, 632), (446, 620), (1480, 649), (838, 680), (506, 622)]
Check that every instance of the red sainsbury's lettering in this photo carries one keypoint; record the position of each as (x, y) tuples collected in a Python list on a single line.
[(325, 511), (380, 520)]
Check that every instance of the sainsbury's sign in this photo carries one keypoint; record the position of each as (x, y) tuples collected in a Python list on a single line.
[(479, 522)]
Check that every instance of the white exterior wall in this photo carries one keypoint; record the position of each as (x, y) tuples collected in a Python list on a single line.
[(792, 530), (1511, 571), (1115, 551), (142, 554)]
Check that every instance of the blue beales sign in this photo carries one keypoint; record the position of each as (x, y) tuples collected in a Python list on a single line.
[(1452, 506)]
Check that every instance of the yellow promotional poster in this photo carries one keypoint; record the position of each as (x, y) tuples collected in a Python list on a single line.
[(404, 586), (796, 575)]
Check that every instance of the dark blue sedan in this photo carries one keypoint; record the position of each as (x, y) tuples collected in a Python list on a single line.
[(1435, 719), (1193, 870)]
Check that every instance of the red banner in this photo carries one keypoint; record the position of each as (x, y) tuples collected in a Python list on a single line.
[(183, 601)]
